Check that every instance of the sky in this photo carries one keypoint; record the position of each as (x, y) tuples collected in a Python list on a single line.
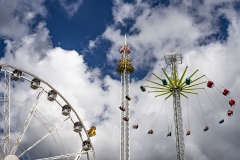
[(74, 46)]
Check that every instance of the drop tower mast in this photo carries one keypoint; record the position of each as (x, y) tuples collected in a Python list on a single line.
[(125, 68)]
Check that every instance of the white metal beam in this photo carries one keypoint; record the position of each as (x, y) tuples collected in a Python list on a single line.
[(65, 156), (174, 60), (43, 137), (7, 113), (125, 138), (25, 126)]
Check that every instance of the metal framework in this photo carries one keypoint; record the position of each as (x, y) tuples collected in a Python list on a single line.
[(7, 113), (176, 87), (125, 68), (8, 151), (64, 156), (173, 59), (25, 126)]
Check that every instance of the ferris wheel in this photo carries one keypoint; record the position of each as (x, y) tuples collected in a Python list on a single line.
[(37, 122)]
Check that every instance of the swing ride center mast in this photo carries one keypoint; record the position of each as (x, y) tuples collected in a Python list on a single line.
[(175, 88), (125, 68)]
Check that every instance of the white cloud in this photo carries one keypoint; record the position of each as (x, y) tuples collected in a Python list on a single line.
[(72, 8), (91, 44)]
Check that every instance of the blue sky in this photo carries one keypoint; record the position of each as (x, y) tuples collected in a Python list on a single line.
[(89, 22), (74, 45)]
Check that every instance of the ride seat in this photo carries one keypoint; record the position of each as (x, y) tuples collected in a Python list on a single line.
[(188, 133), (169, 134), (210, 84), (126, 119), (122, 108), (206, 128), (225, 92), (231, 102), (150, 131)]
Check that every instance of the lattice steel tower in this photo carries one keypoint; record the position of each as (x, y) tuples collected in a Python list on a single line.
[(125, 68), (173, 59), (175, 86)]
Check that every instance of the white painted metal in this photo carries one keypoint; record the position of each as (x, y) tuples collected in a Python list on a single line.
[(127, 131), (122, 123), (173, 59), (25, 126), (125, 139), (43, 137), (64, 156), (1, 149), (7, 113), (11, 157)]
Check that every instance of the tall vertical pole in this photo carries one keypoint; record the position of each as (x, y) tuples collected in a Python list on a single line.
[(127, 131), (7, 113), (122, 116), (125, 69), (180, 146)]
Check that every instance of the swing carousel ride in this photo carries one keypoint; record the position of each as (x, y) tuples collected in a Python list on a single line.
[(172, 86)]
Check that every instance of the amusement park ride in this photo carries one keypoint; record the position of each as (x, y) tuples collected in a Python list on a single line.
[(125, 68), (10, 78), (173, 86)]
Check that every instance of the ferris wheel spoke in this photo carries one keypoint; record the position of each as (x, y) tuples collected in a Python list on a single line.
[(88, 156), (45, 123), (65, 156), (25, 126), (78, 157), (43, 137)]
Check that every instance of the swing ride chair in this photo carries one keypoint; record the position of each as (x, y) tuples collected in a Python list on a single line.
[(230, 112), (169, 134), (135, 126), (150, 131), (13, 152), (126, 119), (122, 108)]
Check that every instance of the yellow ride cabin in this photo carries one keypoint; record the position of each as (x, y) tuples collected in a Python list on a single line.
[(92, 131)]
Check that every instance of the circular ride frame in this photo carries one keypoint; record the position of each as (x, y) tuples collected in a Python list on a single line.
[(6, 149)]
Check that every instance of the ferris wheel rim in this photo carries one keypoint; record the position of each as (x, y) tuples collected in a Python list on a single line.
[(62, 97)]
